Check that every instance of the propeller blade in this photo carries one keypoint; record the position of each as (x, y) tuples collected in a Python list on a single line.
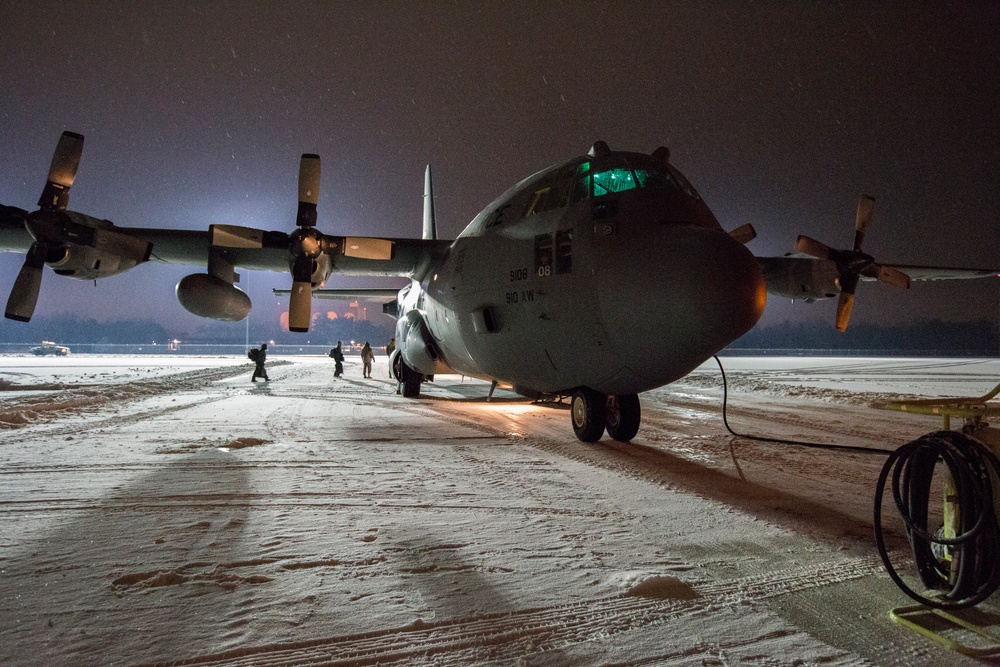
[(62, 172), (844, 306), (300, 299), (309, 171), (892, 276), (866, 207), (24, 293), (744, 234), (810, 246), (11, 216), (300, 306)]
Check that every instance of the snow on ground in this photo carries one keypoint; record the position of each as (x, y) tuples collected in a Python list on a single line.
[(164, 510)]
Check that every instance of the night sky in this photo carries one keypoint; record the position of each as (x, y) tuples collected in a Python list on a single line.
[(781, 114)]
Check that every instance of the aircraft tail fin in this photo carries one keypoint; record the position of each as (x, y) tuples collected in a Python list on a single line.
[(430, 227)]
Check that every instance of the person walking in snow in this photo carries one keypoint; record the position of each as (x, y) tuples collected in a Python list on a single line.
[(337, 354), (367, 358), (259, 357), (389, 349)]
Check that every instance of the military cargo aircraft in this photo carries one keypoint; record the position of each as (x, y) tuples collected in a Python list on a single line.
[(587, 279)]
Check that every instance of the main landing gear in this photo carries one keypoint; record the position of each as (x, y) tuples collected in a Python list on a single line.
[(593, 412)]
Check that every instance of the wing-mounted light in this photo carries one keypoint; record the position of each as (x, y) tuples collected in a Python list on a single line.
[(854, 263)]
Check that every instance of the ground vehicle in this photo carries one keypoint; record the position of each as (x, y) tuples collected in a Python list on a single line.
[(49, 348)]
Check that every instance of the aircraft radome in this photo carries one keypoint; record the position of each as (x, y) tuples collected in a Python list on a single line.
[(598, 278)]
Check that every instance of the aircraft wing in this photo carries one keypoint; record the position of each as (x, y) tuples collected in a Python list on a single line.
[(800, 276), (917, 272), (376, 294), (268, 251), (181, 246)]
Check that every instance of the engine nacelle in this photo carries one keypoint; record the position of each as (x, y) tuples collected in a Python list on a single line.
[(322, 267), (417, 347), (86, 248), (208, 296), (86, 263), (800, 278)]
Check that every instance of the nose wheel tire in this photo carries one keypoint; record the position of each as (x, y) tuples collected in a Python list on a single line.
[(411, 380), (588, 408), (623, 416)]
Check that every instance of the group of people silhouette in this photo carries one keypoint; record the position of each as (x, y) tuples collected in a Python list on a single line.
[(367, 358), (259, 357)]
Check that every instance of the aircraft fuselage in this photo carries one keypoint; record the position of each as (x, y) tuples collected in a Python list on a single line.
[(606, 272)]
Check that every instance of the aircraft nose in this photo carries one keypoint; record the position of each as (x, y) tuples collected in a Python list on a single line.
[(673, 301)]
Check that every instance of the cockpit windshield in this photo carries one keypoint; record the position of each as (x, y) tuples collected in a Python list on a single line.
[(609, 179), (586, 178)]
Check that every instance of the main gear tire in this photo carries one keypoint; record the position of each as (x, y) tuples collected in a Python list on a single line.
[(588, 409), (623, 416)]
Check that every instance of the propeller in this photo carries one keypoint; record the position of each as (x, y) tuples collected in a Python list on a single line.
[(305, 244), (54, 199), (853, 264)]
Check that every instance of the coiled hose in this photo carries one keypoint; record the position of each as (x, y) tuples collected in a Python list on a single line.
[(974, 572)]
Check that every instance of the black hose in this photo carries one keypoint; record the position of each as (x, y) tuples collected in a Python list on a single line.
[(800, 443), (973, 468), (976, 547)]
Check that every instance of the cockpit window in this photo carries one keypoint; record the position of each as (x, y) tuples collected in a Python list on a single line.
[(651, 178), (613, 180), (622, 177), (554, 192), (685, 185)]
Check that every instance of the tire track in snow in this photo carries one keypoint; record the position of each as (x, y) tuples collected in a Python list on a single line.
[(532, 632), (267, 503), (37, 410), (766, 499)]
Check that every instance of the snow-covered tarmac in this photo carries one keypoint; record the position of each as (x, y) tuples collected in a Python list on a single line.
[(166, 510)]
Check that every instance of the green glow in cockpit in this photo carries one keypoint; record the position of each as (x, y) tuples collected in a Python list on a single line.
[(613, 180)]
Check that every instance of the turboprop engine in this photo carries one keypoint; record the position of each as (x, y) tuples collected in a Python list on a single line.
[(796, 278), (73, 244)]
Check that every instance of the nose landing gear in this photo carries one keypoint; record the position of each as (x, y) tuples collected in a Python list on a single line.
[(623, 416), (593, 412)]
